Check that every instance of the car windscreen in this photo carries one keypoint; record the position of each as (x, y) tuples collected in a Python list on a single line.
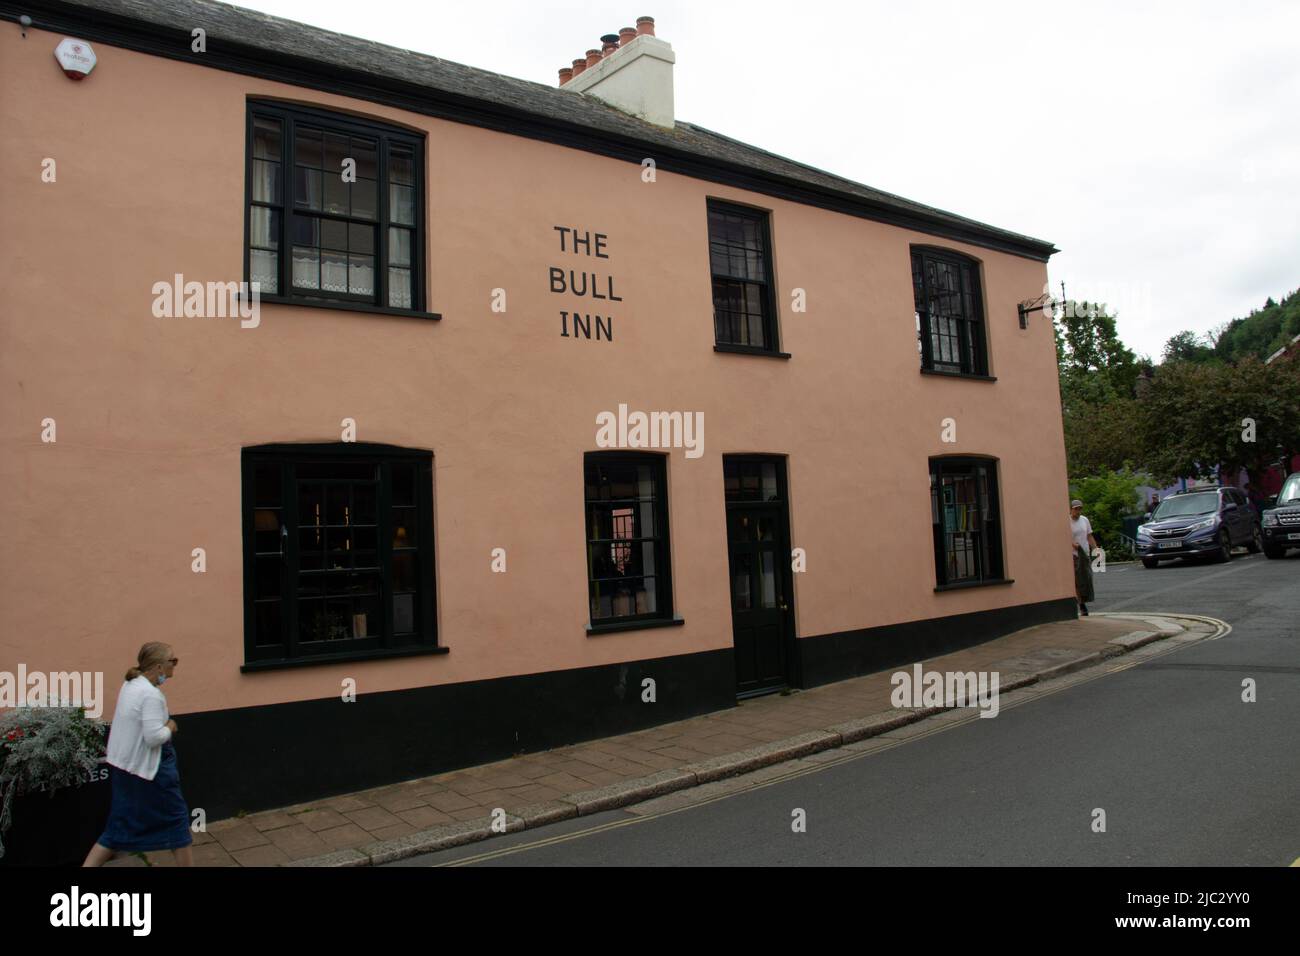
[(1186, 505), (1290, 493)]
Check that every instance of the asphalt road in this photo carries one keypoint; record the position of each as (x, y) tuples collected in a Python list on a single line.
[(1186, 772)]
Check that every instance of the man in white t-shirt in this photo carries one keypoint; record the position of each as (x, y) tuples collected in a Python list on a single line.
[(1082, 545)]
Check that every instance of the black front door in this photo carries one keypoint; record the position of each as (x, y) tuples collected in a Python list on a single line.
[(758, 554)]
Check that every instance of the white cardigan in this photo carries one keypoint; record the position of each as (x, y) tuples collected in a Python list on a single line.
[(139, 728)]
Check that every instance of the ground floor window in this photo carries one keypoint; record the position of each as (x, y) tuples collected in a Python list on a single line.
[(966, 521), (627, 538), (338, 550)]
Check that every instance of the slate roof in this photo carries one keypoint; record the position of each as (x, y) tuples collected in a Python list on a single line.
[(255, 34)]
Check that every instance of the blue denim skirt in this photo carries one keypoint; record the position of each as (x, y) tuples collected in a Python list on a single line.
[(148, 814)]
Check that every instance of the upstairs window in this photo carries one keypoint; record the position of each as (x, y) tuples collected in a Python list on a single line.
[(334, 209), (949, 313), (740, 259)]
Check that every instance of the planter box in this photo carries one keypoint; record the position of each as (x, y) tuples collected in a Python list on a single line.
[(59, 828)]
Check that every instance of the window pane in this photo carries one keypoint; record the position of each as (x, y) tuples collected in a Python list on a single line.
[(399, 288), (401, 168), (404, 565), (266, 138), (403, 613), (306, 268), (307, 188), (401, 205), (364, 502), (361, 275), (403, 484), (361, 239), (264, 269), (268, 623), (268, 577), (357, 471), (336, 194), (364, 152), (363, 198), (405, 533), (336, 150), (266, 486), (308, 147), (306, 231), (767, 580), (399, 246), (334, 234), (333, 271), (742, 572), (263, 227), (266, 181)]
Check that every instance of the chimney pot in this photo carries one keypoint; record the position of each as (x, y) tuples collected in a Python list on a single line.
[(566, 74), (626, 35), (593, 57), (645, 26), (608, 44), (579, 66)]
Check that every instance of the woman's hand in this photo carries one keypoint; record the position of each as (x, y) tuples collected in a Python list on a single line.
[(171, 725)]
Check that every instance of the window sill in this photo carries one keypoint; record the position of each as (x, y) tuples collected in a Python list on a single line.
[(962, 585), (347, 306), (750, 350), (595, 630), (972, 377), (342, 658)]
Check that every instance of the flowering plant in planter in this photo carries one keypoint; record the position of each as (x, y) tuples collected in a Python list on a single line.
[(44, 749)]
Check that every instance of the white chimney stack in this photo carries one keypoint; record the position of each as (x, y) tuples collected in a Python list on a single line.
[(635, 77)]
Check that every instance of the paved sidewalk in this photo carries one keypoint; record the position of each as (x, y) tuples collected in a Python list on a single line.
[(419, 816)]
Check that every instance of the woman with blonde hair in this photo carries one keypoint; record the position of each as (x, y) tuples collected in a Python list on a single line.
[(148, 810)]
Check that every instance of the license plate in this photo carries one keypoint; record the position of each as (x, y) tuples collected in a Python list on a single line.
[(1179, 544), (1293, 537)]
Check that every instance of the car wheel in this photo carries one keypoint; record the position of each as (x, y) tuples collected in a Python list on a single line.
[(1150, 563), (1256, 543), (1224, 554), (1272, 552)]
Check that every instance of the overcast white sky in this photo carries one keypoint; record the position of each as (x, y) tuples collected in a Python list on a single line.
[(1157, 144)]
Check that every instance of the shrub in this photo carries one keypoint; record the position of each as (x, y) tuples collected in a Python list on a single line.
[(1107, 498), (44, 749)]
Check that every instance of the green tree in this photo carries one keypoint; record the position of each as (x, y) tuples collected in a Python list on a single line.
[(1098, 375), (1103, 436), (1196, 417), (1107, 498), (1187, 347), (1095, 365)]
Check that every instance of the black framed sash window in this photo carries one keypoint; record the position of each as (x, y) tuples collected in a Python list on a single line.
[(740, 260), (628, 568), (338, 551), (321, 229), (966, 521), (949, 313)]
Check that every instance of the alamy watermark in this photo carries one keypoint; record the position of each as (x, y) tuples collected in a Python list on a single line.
[(921, 688), (626, 429), (53, 689), (208, 300)]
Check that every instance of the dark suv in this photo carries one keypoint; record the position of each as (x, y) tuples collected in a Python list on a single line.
[(1282, 520), (1206, 521)]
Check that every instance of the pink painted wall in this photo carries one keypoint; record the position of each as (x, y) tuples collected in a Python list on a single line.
[(152, 413)]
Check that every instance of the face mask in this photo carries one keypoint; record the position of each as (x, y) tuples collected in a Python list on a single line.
[(162, 679)]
